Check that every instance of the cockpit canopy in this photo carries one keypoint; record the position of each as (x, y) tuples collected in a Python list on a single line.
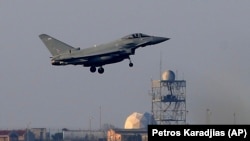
[(135, 35)]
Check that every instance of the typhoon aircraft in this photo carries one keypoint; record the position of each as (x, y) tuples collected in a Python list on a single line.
[(98, 55)]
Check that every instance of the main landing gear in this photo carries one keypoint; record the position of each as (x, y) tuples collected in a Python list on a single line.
[(100, 69)]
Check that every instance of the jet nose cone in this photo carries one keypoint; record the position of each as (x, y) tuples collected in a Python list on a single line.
[(160, 39)]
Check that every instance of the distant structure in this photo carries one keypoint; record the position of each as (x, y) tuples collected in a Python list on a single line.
[(17, 135), (84, 135), (169, 99), (135, 128), (40, 133), (208, 115)]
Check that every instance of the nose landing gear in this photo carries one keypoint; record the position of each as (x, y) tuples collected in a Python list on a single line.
[(130, 63)]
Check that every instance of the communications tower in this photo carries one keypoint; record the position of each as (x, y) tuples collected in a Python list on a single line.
[(169, 99)]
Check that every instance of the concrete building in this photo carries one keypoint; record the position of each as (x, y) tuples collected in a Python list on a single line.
[(7, 135), (127, 135)]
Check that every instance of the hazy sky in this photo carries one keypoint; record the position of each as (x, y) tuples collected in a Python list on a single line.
[(209, 48)]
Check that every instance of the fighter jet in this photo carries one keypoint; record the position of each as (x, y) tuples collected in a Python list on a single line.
[(98, 55)]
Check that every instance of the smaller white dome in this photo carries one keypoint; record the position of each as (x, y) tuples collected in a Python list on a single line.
[(168, 75)]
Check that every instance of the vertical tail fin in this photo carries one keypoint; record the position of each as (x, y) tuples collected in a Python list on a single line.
[(55, 46)]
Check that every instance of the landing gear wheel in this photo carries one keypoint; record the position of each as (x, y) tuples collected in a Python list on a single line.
[(101, 70), (92, 69), (131, 64)]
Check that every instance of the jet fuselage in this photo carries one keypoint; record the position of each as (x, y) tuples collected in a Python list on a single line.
[(98, 55)]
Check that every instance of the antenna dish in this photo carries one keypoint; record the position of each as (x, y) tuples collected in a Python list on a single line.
[(168, 76)]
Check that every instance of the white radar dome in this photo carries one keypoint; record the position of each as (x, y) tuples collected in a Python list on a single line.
[(138, 121), (168, 75)]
